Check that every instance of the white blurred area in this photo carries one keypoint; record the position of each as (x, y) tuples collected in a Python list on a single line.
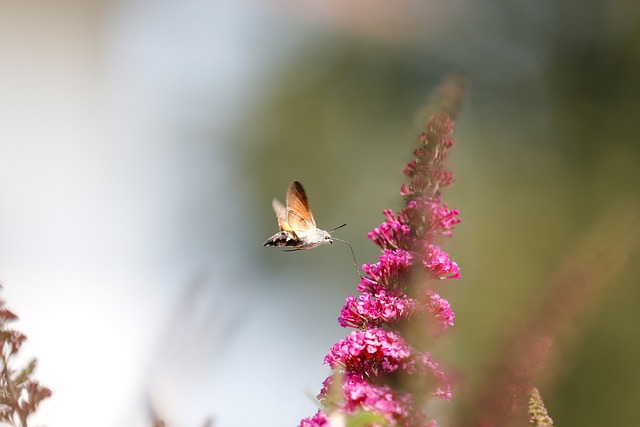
[(117, 203)]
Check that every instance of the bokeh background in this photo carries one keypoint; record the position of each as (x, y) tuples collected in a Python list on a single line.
[(141, 143)]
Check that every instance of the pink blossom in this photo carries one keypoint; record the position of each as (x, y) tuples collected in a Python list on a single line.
[(426, 364), (421, 185), (445, 178), (438, 263), (437, 134), (375, 398), (442, 218), (409, 191), (360, 395), (421, 168), (426, 171), (428, 217), (371, 310), (370, 352), (387, 272), (320, 419), (411, 168), (391, 233), (441, 309)]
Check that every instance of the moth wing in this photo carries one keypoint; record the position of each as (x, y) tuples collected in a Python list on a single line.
[(281, 214), (297, 201), (298, 224)]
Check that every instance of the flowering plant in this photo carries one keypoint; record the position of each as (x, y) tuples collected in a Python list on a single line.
[(373, 363), (20, 394)]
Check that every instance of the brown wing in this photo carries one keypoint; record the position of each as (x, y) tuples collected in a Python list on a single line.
[(297, 201), (298, 224), (281, 214)]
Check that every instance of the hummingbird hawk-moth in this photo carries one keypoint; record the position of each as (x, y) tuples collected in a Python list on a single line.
[(298, 230)]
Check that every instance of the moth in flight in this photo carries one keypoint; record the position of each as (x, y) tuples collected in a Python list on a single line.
[(298, 229)]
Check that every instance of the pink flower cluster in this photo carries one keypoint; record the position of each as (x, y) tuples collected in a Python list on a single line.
[(387, 273), (370, 310), (392, 233), (370, 352), (431, 215), (390, 404), (320, 419), (392, 290), (441, 309), (438, 263)]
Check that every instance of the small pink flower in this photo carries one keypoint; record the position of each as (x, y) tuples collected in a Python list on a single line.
[(445, 178), (439, 264), (441, 309), (411, 168), (442, 218), (409, 191)]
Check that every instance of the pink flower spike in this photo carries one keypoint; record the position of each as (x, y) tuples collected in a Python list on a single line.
[(372, 310), (373, 362)]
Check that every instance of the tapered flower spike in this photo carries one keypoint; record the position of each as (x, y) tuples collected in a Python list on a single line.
[(369, 364), (537, 411)]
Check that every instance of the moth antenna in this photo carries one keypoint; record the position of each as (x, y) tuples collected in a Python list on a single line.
[(355, 263), (340, 226)]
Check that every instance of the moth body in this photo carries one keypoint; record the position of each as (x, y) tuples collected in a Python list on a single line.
[(289, 239)]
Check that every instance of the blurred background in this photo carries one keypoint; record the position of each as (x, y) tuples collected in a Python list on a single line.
[(141, 144)]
